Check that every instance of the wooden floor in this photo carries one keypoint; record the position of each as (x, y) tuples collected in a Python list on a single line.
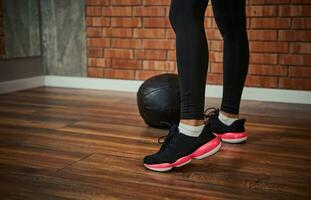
[(58, 143)]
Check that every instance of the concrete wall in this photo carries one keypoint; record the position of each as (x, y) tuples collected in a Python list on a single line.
[(21, 28), (22, 40), (63, 37)]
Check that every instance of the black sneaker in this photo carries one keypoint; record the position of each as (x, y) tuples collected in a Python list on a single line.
[(178, 149), (235, 133)]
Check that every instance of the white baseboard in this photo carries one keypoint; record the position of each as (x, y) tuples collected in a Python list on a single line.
[(93, 83), (265, 94), (21, 84), (249, 93)]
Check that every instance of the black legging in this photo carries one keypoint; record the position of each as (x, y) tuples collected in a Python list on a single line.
[(187, 20)]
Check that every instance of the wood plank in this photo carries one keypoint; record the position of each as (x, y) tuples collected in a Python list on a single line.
[(59, 143)]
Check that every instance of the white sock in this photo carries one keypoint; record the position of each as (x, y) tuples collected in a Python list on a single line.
[(226, 120), (193, 131)]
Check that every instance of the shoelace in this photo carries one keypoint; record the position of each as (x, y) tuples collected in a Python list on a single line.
[(213, 112), (168, 139)]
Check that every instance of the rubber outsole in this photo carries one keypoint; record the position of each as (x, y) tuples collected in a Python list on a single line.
[(234, 141), (202, 152), (231, 137)]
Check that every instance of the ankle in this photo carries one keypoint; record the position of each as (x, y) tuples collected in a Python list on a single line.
[(229, 115), (190, 129), (192, 122), (227, 120)]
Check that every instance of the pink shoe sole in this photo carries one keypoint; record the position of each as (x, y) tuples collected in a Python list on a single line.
[(204, 151), (232, 137)]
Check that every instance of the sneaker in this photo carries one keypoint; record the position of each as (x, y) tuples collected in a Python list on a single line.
[(235, 133), (178, 149)]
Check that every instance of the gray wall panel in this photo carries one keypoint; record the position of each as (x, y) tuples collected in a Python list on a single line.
[(63, 37), (21, 28)]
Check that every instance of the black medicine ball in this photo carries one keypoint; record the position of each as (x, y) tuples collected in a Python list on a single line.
[(158, 100)]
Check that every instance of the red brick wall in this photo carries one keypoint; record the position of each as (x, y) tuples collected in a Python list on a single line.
[(133, 39)]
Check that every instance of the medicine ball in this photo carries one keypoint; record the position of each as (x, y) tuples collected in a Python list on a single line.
[(158, 100)]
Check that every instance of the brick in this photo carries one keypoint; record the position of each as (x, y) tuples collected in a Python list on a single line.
[(295, 35), (157, 2), (262, 35), (125, 22), (301, 23), (126, 2), (209, 11), (98, 42), (214, 78), (291, 59), (255, 11), (149, 11), (170, 34), (119, 73), (146, 74), (126, 43), (171, 55), (93, 11), (94, 32), (98, 62), (97, 2), (209, 22), (267, 2), (117, 32), (295, 83), (156, 22), (216, 45), (273, 47), (117, 11), (126, 64), (270, 23), (261, 81), (303, 72), (149, 33), (158, 44), (300, 2), (215, 68), (98, 21), (118, 53), (294, 11), (150, 54), (300, 47), (213, 34), (270, 70), (159, 65), (215, 56), (94, 52), (255, 69), (263, 58), (95, 72)]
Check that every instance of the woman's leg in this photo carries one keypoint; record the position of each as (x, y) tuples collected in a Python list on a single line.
[(231, 20), (187, 141), (187, 20)]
